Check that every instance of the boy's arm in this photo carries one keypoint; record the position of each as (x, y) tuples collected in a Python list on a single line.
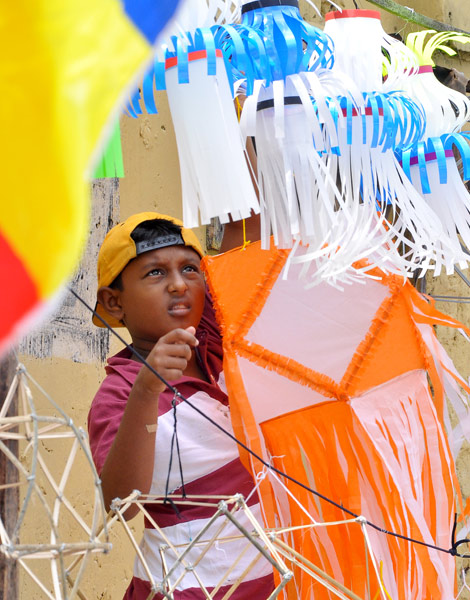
[(130, 461)]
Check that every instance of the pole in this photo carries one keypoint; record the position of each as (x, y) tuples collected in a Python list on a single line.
[(9, 497), (409, 14)]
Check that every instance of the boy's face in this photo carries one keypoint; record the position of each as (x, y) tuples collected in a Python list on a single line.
[(163, 289)]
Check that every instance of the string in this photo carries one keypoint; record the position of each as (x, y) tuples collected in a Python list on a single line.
[(382, 582), (452, 551), (239, 113), (245, 241), (174, 442), (239, 108)]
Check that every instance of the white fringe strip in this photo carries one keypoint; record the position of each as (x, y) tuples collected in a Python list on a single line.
[(215, 177), (331, 203), (358, 43), (446, 110), (451, 203)]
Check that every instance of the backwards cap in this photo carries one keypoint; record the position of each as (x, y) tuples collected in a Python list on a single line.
[(118, 249)]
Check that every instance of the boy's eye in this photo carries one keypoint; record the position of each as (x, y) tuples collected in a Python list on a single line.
[(155, 272), (190, 268)]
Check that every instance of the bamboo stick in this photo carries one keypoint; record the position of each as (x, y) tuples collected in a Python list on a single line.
[(410, 15)]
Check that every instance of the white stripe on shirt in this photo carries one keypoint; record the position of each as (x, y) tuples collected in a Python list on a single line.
[(220, 553), (203, 447)]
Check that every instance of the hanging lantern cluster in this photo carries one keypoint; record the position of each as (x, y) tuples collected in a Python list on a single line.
[(431, 162), (356, 140)]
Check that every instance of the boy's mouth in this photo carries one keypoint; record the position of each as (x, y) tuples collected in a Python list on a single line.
[(179, 309)]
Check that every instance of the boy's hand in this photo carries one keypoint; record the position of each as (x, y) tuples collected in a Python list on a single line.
[(169, 357)]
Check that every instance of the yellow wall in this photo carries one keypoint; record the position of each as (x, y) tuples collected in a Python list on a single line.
[(70, 367)]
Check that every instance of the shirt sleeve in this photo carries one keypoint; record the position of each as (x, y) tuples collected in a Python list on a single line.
[(208, 321), (209, 327), (105, 416)]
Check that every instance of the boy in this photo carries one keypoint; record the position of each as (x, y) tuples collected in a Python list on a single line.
[(150, 281)]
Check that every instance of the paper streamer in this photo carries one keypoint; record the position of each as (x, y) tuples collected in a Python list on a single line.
[(214, 172)]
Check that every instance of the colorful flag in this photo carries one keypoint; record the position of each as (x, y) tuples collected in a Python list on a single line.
[(65, 66)]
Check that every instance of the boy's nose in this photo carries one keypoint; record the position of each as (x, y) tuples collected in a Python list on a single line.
[(177, 283)]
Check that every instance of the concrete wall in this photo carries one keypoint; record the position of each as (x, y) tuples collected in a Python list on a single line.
[(66, 355)]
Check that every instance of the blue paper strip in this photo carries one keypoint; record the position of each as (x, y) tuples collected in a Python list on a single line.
[(147, 92), (349, 120), (436, 145), (159, 71), (204, 39), (289, 44), (461, 141), (133, 105), (183, 66), (375, 121), (423, 172)]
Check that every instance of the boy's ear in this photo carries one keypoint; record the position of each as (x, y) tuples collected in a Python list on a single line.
[(110, 299)]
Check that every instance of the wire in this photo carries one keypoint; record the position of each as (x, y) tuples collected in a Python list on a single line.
[(462, 276), (458, 299), (453, 550), (174, 441)]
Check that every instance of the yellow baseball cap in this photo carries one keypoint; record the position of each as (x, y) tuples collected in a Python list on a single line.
[(118, 249)]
